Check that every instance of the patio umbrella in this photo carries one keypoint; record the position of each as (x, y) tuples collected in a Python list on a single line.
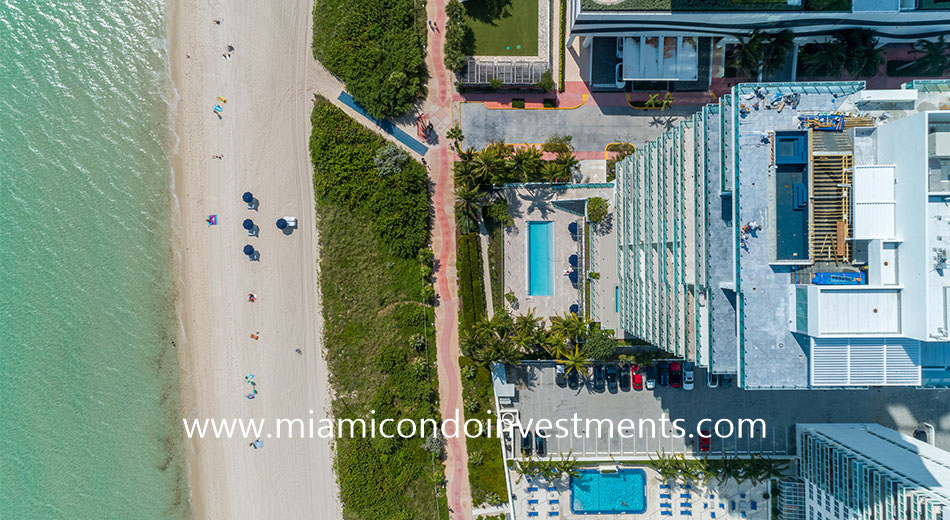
[(258, 443), (573, 276), (248, 224), (572, 260), (575, 309), (248, 250), (572, 227), (281, 223), (248, 197)]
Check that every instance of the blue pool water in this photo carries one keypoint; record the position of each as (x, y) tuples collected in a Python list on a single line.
[(540, 258), (594, 492)]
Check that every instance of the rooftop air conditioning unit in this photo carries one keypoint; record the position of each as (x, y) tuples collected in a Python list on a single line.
[(940, 145)]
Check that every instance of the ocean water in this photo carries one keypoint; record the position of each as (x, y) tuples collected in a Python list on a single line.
[(89, 410)]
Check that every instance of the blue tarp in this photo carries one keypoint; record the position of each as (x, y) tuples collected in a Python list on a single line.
[(386, 125)]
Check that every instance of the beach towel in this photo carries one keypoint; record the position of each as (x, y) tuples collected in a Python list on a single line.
[(212, 220)]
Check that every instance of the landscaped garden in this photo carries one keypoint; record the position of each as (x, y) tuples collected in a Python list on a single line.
[(503, 27), (375, 270)]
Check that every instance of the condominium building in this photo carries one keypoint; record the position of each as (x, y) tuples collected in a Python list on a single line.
[(869, 472), (795, 234)]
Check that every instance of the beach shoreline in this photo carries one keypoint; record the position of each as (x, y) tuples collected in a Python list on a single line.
[(262, 134)]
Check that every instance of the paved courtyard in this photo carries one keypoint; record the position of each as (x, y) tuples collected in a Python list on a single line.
[(538, 397), (664, 500)]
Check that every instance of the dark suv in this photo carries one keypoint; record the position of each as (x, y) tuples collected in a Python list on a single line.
[(663, 373), (598, 378), (612, 378)]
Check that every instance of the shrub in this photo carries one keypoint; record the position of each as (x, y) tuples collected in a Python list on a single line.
[(546, 82), (498, 212), (471, 288), (558, 144), (596, 209), (601, 345), (517, 103), (376, 48), (456, 33), (563, 24), (344, 154), (494, 84), (390, 160)]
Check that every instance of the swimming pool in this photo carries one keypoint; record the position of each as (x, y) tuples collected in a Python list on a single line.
[(593, 492), (540, 258)]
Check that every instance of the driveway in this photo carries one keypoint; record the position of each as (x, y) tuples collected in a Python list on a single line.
[(593, 127), (539, 397)]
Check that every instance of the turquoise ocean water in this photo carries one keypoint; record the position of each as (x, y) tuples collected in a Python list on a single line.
[(89, 410)]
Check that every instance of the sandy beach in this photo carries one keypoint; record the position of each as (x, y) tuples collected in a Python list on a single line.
[(262, 135)]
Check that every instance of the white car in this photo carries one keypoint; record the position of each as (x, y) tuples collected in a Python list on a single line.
[(687, 376)]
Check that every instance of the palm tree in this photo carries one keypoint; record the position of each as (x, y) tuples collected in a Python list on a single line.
[(934, 60), (822, 59), (574, 361), (748, 54), (486, 165), (565, 164), (775, 51), (667, 101), (665, 465), (468, 201), (455, 134), (571, 327), (555, 346), (526, 163), (653, 101), (567, 466), (862, 54), (524, 468), (528, 331)]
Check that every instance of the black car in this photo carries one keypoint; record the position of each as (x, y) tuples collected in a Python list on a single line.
[(612, 377), (526, 444), (663, 371), (650, 378), (624, 378), (559, 376), (573, 380), (540, 443), (598, 378)]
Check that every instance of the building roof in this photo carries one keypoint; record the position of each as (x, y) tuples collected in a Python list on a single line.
[(874, 202), (865, 362), (917, 462), (660, 58)]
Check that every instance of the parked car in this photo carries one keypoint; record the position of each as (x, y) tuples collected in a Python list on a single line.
[(624, 379), (725, 381), (687, 376), (638, 381), (704, 441), (526, 444), (559, 376), (712, 380), (651, 378), (540, 443), (612, 378), (573, 380), (663, 371), (676, 374), (598, 378)]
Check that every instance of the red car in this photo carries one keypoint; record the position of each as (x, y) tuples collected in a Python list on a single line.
[(704, 441), (676, 374), (637, 377)]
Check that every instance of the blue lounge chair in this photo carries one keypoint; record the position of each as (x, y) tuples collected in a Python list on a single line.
[(686, 513), (721, 505), (742, 514), (732, 505), (666, 496), (705, 505), (552, 488), (554, 513), (712, 515), (686, 486), (712, 496), (664, 486), (664, 504), (666, 513), (554, 501), (532, 501), (755, 506), (741, 495), (532, 489), (684, 495), (533, 513), (687, 505)]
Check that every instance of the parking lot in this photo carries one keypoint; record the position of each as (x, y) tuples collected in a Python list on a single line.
[(538, 397)]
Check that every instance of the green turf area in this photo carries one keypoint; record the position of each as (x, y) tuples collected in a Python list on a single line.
[(486, 467), (503, 27)]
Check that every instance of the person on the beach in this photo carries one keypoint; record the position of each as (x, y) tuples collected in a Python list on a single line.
[(217, 22), (251, 297), (299, 351)]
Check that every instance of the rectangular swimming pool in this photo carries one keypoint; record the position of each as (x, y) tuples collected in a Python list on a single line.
[(593, 492), (540, 258)]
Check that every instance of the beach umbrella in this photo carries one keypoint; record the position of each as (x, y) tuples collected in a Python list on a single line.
[(572, 260), (281, 223), (248, 250), (248, 224), (248, 197), (258, 443), (572, 227), (573, 277), (575, 309)]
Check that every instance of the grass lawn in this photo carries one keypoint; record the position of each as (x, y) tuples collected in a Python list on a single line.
[(486, 468), (503, 27)]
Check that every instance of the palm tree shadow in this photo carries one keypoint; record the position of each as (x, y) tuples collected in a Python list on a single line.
[(538, 199)]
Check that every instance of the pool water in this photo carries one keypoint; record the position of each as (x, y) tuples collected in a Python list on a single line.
[(540, 258), (593, 492)]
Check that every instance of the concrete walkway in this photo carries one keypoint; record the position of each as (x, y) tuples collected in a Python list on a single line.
[(486, 272), (439, 107)]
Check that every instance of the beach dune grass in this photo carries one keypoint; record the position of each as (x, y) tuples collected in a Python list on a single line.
[(503, 27)]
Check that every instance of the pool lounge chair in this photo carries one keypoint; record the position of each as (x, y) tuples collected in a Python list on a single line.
[(686, 513), (687, 505), (533, 513), (665, 504), (686, 486), (666, 513), (684, 495), (732, 505), (712, 515), (552, 488), (666, 496), (531, 489), (554, 513), (754, 506), (532, 501), (664, 486), (742, 514), (554, 501)]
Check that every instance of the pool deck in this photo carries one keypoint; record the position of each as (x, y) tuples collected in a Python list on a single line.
[(730, 500), (562, 206)]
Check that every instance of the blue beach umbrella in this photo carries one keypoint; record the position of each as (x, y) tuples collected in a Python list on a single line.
[(572, 260), (573, 277), (248, 224), (281, 223), (248, 250), (572, 227), (575, 309), (248, 197)]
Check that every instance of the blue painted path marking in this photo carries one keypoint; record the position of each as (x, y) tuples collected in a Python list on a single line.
[(386, 125)]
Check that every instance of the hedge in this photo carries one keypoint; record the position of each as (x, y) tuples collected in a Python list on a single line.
[(471, 286)]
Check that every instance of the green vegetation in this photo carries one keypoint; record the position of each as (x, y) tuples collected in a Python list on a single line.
[(756, 469), (517, 103), (763, 53), (471, 288), (497, 218), (563, 51), (376, 48), (623, 150), (853, 50), (379, 339), (597, 209), (546, 82), (500, 163), (486, 467), (390, 160), (504, 339), (550, 469), (457, 36), (933, 60), (503, 27)]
